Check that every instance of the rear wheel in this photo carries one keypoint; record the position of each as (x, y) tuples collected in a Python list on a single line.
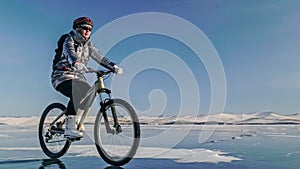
[(51, 137), (117, 143)]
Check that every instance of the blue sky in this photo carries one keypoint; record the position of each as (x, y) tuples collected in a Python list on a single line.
[(257, 42)]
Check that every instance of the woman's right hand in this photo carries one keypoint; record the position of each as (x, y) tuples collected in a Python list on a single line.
[(117, 69)]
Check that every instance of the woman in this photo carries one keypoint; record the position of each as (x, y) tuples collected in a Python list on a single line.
[(67, 76)]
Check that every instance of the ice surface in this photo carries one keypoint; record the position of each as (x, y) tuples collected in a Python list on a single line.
[(179, 155), (230, 146)]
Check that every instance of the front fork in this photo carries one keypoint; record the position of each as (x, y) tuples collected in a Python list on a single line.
[(116, 125)]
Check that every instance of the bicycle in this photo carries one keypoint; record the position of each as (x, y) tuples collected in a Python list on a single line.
[(116, 127)]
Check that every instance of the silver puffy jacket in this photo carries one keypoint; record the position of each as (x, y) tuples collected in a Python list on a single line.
[(84, 51)]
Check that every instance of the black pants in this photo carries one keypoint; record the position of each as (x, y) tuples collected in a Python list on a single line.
[(75, 90)]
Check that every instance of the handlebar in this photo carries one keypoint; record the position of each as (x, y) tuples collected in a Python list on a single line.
[(100, 73)]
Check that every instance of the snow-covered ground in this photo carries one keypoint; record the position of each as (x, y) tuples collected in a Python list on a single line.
[(220, 118)]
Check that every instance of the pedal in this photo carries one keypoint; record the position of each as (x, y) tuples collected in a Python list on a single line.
[(73, 138), (59, 131)]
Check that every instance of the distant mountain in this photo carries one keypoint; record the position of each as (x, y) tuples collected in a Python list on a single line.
[(226, 118), (256, 118)]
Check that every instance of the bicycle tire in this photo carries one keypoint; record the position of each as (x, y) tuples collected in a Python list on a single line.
[(55, 150), (127, 140)]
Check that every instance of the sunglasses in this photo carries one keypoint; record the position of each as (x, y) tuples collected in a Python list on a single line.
[(86, 28)]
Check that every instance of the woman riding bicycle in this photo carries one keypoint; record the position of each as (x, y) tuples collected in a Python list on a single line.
[(67, 75)]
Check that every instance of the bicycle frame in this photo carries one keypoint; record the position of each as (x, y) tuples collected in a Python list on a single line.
[(96, 89)]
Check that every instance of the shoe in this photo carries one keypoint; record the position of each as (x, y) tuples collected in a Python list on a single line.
[(71, 130)]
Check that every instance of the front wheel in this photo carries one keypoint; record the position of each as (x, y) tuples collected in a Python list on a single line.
[(117, 132), (51, 131)]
